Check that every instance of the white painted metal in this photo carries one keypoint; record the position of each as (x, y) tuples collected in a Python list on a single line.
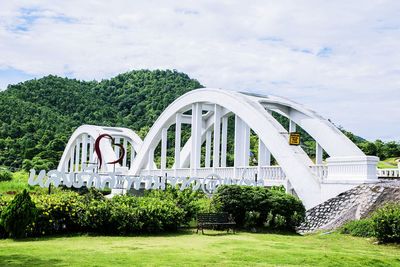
[(224, 141), (318, 154), (164, 133), (217, 136), (208, 149), (177, 140)]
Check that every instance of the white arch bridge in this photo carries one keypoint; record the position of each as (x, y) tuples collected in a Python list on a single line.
[(205, 113)]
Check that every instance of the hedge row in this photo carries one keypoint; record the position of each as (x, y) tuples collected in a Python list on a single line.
[(70, 212), (384, 224), (156, 211)]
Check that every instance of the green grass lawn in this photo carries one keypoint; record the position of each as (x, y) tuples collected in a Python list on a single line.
[(18, 183), (387, 163), (188, 249)]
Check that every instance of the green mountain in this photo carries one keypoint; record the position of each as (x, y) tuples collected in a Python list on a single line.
[(38, 116)]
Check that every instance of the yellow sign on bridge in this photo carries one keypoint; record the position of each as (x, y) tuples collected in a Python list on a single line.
[(294, 139)]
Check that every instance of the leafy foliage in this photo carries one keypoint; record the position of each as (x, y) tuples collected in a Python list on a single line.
[(260, 207), (18, 215), (189, 200), (70, 212), (5, 175), (386, 223), (362, 228)]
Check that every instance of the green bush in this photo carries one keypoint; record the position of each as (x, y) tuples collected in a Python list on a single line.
[(57, 213), (190, 201), (160, 215), (362, 228), (286, 211), (3, 205), (264, 207), (251, 219), (126, 214), (236, 200), (18, 215), (5, 175), (386, 223)]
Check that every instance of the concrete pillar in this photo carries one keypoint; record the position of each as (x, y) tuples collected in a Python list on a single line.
[(125, 145), (132, 154), (242, 143), (150, 159), (292, 126), (178, 129), (164, 132), (91, 151), (71, 161), (117, 148), (224, 140), (217, 136), (84, 151), (77, 154), (196, 138), (318, 153), (246, 144), (208, 149), (264, 157)]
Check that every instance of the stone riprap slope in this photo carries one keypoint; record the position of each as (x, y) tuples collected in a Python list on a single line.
[(353, 204)]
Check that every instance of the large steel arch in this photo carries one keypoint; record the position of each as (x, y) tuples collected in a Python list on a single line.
[(252, 110), (80, 147)]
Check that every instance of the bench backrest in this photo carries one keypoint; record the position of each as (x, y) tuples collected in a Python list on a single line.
[(220, 217)]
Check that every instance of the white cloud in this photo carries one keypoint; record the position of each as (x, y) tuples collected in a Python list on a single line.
[(339, 57)]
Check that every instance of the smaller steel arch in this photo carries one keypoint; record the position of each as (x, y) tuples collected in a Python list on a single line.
[(93, 132)]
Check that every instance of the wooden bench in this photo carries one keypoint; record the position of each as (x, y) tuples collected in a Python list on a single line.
[(215, 221)]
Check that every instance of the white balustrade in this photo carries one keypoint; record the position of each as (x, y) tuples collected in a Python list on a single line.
[(388, 173), (321, 171), (361, 168)]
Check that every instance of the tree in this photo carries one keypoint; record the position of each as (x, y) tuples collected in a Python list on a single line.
[(18, 215)]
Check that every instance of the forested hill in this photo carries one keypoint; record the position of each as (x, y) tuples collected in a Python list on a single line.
[(38, 116)]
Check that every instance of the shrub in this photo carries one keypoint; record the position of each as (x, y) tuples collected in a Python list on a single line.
[(96, 217), (60, 212), (5, 175), (126, 214), (264, 207), (386, 223), (160, 215), (190, 201), (251, 220), (18, 215), (3, 205), (235, 200), (362, 228), (287, 212)]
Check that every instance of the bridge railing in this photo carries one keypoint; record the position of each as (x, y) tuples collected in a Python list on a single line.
[(250, 172), (320, 170), (388, 173)]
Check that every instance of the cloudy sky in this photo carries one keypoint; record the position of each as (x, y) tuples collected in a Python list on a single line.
[(341, 58)]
